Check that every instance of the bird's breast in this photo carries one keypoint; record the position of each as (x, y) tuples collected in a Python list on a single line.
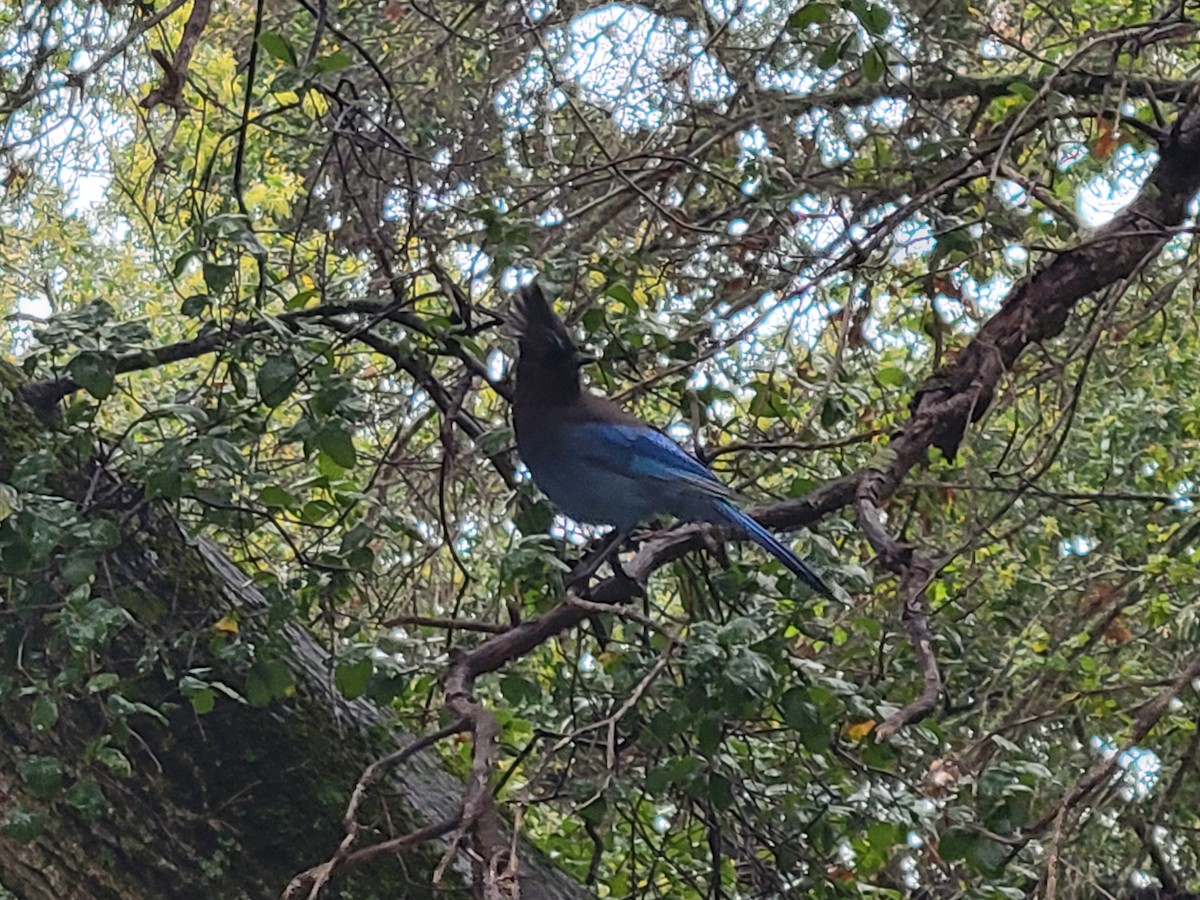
[(588, 493)]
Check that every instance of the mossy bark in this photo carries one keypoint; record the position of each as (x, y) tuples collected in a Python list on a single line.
[(231, 804)]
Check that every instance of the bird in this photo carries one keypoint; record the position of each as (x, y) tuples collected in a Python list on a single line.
[(601, 465)]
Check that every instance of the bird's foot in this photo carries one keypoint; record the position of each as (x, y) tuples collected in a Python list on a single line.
[(627, 581), (577, 579), (608, 549), (580, 586)]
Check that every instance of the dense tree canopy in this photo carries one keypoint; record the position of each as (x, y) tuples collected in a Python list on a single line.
[(917, 277)]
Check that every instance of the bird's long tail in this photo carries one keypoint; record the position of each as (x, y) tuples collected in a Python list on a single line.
[(771, 544)]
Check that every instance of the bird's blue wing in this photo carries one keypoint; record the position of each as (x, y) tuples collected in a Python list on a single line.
[(643, 455), (641, 451)]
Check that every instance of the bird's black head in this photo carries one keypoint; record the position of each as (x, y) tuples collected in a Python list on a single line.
[(543, 338), (549, 361)]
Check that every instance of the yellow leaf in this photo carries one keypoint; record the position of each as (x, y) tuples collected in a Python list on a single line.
[(227, 625), (315, 104), (860, 730), (256, 195), (9, 501)]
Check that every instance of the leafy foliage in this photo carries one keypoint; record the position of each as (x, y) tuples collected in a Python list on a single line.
[(277, 312)]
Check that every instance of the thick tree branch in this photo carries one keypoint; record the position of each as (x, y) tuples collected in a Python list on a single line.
[(1102, 772), (170, 91), (1037, 309), (1070, 84), (495, 869)]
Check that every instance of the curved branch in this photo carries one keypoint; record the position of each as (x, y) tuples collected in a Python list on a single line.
[(1071, 84), (961, 391), (952, 397)]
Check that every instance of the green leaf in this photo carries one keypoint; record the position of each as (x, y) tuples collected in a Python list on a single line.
[(77, 569), (42, 774), (22, 825), (88, 799), (809, 14), (115, 761), (165, 483), (218, 276), (884, 835), (720, 791), (194, 306), (683, 769), (314, 511), (956, 843), (258, 688), (333, 62), (104, 681), (336, 443), (121, 707), (891, 376), (658, 780), (873, 64), (45, 713), (594, 812), (664, 725), (10, 501), (237, 378), (623, 295), (351, 678), (103, 535), (709, 734), (876, 19), (355, 538), (275, 496), (181, 262), (267, 680), (225, 453), (277, 378), (94, 372), (29, 475), (1022, 90), (987, 856), (833, 54), (278, 677), (278, 46), (800, 714), (301, 298), (518, 689), (878, 755), (535, 518), (201, 695), (203, 701), (955, 241)]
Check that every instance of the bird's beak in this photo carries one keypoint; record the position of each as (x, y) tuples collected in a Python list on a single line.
[(585, 359)]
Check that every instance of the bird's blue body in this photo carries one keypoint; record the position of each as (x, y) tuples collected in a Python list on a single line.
[(602, 466)]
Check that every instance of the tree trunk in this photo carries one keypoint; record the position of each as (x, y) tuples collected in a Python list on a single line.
[(230, 804)]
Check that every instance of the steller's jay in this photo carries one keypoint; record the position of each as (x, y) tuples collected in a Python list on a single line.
[(599, 464)]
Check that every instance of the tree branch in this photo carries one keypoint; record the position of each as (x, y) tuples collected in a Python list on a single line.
[(961, 391)]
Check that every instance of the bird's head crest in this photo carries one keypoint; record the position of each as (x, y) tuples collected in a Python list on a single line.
[(540, 332)]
